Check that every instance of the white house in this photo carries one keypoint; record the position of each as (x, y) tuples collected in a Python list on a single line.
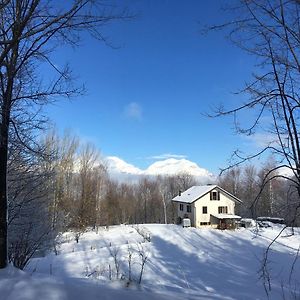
[(207, 205)]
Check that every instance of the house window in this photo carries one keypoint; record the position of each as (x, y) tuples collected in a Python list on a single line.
[(222, 210), (204, 223), (181, 207), (204, 209), (188, 208), (214, 195)]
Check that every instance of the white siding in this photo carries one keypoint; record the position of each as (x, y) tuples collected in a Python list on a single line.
[(212, 207)]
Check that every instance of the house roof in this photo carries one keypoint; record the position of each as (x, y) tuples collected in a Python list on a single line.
[(197, 191), (226, 216)]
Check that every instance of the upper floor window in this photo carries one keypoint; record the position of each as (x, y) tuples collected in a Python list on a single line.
[(180, 206), (204, 209), (188, 208), (214, 195), (222, 210)]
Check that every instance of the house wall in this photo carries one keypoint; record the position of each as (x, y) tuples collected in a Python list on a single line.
[(184, 214), (212, 208)]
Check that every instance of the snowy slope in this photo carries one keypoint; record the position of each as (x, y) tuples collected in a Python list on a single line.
[(182, 264), (18, 285)]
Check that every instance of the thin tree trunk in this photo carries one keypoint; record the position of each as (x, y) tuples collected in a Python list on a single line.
[(3, 188), (4, 130)]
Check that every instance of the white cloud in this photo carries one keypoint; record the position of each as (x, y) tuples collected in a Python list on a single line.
[(133, 110), (286, 171), (262, 139), (167, 156), (118, 165), (123, 171)]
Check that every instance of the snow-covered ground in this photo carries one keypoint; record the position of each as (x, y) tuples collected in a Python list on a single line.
[(181, 263)]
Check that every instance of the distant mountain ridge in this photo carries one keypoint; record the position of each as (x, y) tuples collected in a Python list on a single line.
[(120, 169)]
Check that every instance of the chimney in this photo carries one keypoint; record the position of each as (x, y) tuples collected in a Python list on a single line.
[(179, 193)]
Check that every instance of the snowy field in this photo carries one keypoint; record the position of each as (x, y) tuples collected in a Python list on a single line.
[(178, 264)]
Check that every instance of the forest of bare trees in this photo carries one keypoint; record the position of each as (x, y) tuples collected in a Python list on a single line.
[(246, 183), (70, 189)]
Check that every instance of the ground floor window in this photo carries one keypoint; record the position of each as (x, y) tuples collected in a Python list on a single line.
[(204, 223), (222, 210), (204, 209)]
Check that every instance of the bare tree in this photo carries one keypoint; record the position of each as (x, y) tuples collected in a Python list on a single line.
[(30, 30), (231, 181), (269, 30), (170, 183), (150, 200), (111, 209), (87, 183), (101, 183), (29, 222), (264, 205), (250, 188), (185, 180), (60, 161)]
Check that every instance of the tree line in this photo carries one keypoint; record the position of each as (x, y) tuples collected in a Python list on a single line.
[(277, 198), (69, 188)]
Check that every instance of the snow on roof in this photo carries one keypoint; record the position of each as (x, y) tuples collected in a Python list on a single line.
[(197, 191), (226, 216), (193, 193)]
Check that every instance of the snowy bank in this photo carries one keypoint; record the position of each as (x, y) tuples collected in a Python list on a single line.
[(182, 263)]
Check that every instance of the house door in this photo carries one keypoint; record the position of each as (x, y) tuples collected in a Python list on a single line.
[(222, 224)]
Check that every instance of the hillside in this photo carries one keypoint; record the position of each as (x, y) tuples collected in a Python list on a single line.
[(180, 264)]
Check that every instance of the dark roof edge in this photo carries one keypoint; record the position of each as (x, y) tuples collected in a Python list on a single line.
[(213, 187), (230, 195)]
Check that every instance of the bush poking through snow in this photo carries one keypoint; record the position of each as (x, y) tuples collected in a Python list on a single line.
[(143, 254), (23, 249), (129, 260), (143, 232), (56, 243), (115, 254), (124, 264), (78, 233)]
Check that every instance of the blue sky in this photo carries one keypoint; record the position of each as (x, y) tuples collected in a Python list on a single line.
[(148, 97)]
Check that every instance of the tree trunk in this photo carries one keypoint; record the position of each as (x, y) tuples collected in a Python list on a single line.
[(3, 188)]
